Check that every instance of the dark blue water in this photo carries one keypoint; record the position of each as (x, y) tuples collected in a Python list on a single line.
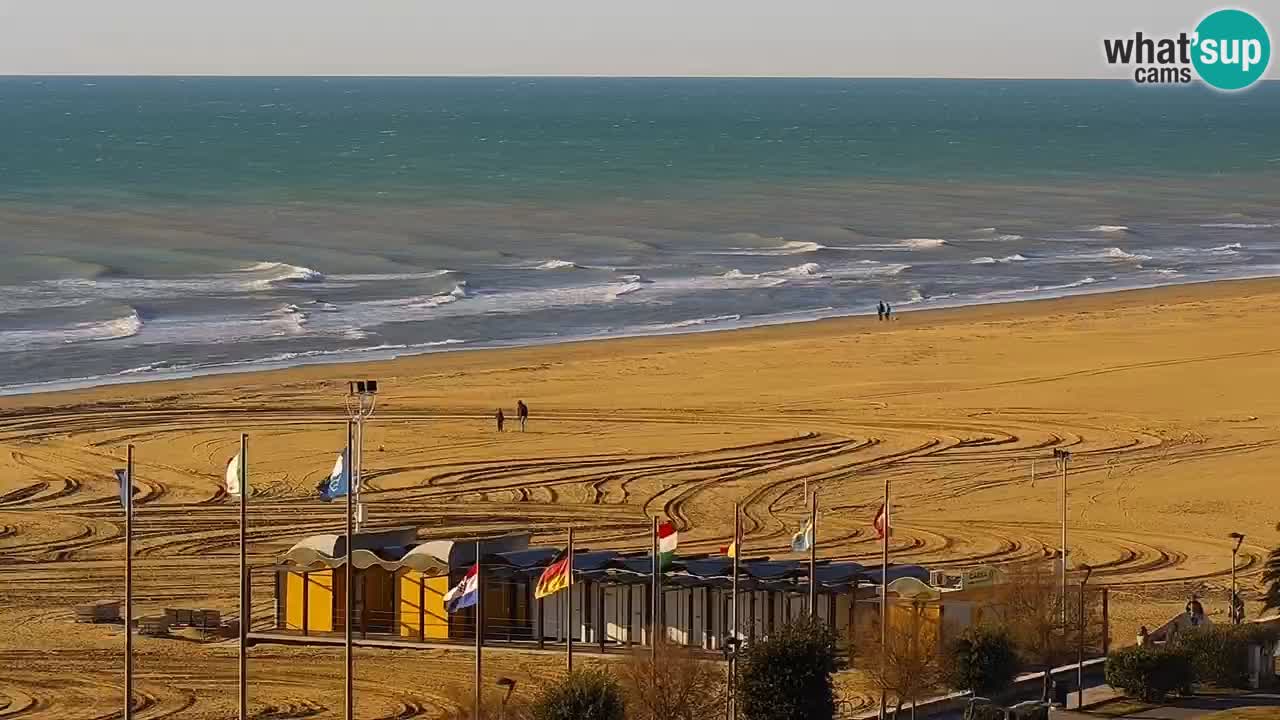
[(171, 225)]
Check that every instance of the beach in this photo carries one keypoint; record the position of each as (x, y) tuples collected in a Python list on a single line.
[(1165, 398)]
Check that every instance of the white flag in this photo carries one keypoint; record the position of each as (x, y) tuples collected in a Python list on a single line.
[(233, 476)]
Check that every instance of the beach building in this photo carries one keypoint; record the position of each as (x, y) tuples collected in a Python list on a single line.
[(400, 585)]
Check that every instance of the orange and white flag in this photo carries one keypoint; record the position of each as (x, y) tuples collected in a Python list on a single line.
[(881, 522)]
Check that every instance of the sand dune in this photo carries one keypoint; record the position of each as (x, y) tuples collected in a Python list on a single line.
[(1165, 397)]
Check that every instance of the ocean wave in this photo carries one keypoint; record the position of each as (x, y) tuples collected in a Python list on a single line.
[(1239, 226), (996, 294), (558, 265), (278, 272), (634, 279), (695, 322), (626, 289), (1112, 254), (788, 247), (799, 271), (116, 328), (1228, 248), (922, 243), (390, 277), (988, 260), (1109, 228)]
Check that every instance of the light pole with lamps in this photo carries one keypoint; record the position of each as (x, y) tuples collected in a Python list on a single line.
[(510, 685), (1236, 613), (1063, 459), (362, 395)]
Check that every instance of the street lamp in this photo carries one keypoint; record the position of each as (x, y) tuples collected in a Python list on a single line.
[(1237, 609), (1063, 458), (729, 646), (1088, 570), (361, 397), (510, 685)]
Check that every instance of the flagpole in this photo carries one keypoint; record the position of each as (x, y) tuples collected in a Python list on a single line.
[(884, 593), (244, 577), (128, 587), (733, 609), (350, 595), (479, 626), (655, 586), (813, 557), (568, 622)]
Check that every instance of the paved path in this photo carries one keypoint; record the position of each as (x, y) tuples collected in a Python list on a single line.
[(1184, 708)]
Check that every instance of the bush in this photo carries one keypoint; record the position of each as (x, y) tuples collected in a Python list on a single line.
[(581, 695), (983, 661), (674, 685), (1149, 673), (1219, 654), (787, 676)]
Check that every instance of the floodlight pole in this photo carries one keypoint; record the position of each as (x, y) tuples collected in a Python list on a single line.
[(1063, 459), (1239, 538), (1080, 656)]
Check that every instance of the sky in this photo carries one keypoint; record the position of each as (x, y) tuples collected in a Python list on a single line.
[(835, 38)]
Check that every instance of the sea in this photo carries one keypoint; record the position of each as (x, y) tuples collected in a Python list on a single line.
[(166, 227)]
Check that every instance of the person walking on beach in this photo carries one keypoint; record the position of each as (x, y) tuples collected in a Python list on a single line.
[(522, 412), (880, 311), (502, 419), (888, 311)]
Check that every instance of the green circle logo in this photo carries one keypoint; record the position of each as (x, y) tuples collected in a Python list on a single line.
[(1232, 49)]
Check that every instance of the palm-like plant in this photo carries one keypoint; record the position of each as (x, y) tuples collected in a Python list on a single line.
[(1271, 577)]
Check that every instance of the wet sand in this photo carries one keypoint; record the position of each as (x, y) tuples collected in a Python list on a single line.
[(1167, 399)]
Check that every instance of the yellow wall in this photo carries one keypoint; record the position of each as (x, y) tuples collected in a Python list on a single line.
[(436, 619), (319, 596)]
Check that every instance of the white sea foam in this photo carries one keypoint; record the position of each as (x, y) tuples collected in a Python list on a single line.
[(799, 271), (1228, 248), (278, 272), (559, 265), (988, 260), (626, 289), (922, 243), (1109, 228), (695, 322), (1239, 226)]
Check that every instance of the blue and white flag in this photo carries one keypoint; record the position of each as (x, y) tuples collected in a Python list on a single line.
[(803, 540), (126, 487), (338, 483), (466, 593)]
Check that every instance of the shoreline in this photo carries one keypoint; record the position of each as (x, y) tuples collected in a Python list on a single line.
[(1124, 296)]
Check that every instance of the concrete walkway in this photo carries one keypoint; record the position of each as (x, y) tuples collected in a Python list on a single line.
[(1184, 708)]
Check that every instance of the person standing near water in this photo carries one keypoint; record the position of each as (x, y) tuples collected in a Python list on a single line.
[(522, 413), (888, 311), (880, 311), (502, 419)]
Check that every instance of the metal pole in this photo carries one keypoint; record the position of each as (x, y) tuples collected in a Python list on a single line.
[(1231, 603), (479, 627), (733, 611), (128, 587), (884, 594), (813, 557), (348, 601), (244, 577), (568, 621), (358, 463), (656, 588), (1065, 459), (1080, 656)]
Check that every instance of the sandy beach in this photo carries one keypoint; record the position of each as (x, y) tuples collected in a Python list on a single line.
[(1167, 399)]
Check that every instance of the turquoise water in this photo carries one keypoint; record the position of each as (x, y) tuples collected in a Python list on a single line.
[(161, 226)]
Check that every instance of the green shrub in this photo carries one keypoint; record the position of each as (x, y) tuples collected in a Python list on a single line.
[(983, 661), (1219, 654), (1149, 673), (590, 694), (787, 676)]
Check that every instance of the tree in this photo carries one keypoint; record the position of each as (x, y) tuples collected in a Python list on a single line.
[(908, 665), (787, 676), (673, 686), (1030, 604), (1271, 578), (982, 661), (591, 694)]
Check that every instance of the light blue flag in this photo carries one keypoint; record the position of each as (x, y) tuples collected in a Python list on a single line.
[(803, 540), (339, 483), (126, 487)]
